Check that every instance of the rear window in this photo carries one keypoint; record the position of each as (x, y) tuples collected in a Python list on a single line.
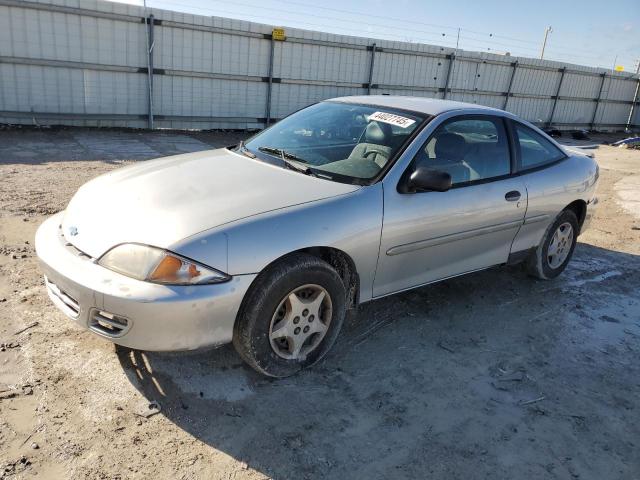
[(535, 150)]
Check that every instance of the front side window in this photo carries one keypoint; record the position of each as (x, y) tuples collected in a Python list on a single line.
[(535, 150), (338, 141), (468, 149)]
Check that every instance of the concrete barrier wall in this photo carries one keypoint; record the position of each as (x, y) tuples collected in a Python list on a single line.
[(84, 62)]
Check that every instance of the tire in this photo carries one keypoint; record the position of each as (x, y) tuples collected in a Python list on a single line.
[(541, 263), (262, 309)]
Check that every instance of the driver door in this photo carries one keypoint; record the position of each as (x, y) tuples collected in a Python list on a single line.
[(428, 236)]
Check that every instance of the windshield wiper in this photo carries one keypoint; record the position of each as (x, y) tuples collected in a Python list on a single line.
[(298, 167), (282, 153), (244, 150), (290, 160)]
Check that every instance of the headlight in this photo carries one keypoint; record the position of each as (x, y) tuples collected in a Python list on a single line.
[(157, 265)]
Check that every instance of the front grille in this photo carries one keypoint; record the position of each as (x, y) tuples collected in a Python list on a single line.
[(65, 302), (108, 324)]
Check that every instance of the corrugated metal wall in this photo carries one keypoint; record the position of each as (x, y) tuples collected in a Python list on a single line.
[(84, 62)]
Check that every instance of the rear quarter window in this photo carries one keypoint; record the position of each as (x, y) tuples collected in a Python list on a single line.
[(535, 150)]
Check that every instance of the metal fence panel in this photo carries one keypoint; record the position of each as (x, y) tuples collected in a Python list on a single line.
[(84, 62), (532, 109), (289, 98), (316, 62), (64, 90), (199, 51), (573, 112), (201, 97), (613, 113), (576, 85), (620, 89), (407, 70), (536, 82), (58, 36)]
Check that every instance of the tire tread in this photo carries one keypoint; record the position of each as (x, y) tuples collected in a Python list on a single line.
[(535, 265), (258, 295)]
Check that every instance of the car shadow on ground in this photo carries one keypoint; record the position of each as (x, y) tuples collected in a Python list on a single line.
[(490, 374)]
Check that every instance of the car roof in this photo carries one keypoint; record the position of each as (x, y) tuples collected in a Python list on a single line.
[(429, 106)]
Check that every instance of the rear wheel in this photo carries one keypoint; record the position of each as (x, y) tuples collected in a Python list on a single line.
[(291, 316), (551, 257)]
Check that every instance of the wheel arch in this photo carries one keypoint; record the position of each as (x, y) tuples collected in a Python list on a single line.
[(579, 207), (338, 259), (344, 265)]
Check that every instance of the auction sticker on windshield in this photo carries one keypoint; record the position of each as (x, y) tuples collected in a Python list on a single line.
[(392, 119)]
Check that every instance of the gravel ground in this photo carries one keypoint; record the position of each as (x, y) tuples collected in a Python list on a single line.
[(491, 375)]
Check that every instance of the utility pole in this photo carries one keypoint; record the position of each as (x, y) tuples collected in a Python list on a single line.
[(547, 31)]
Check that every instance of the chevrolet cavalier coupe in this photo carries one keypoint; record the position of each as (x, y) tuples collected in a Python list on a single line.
[(268, 244)]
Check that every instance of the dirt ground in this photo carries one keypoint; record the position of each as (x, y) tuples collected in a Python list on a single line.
[(491, 375)]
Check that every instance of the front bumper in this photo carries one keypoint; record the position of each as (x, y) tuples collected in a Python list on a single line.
[(134, 313)]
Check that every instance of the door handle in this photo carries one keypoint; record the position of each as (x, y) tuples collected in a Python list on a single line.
[(512, 196)]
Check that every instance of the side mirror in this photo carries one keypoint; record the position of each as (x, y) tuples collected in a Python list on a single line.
[(424, 179)]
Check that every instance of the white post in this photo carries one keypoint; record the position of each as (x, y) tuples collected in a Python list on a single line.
[(547, 31), (635, 98), (148, 20)]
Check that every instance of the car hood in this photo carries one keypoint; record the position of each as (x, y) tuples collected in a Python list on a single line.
[(160, 202)]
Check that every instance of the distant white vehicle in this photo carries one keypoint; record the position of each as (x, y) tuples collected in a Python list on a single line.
[(269, 243)]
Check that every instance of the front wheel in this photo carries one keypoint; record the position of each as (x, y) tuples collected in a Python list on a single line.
[(291, 316), (551, 257)]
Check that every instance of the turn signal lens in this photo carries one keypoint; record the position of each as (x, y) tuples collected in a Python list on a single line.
[(159, 266), (175, 270), (167, 269)]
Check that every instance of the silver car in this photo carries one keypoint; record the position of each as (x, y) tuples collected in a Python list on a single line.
[(268, 244)]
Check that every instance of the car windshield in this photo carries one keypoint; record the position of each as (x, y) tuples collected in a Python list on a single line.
[(339, 141)]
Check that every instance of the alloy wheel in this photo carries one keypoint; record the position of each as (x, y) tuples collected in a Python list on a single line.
[(560, 245), (300, 322)]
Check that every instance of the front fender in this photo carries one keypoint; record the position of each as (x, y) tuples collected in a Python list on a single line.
[(351, 223)]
